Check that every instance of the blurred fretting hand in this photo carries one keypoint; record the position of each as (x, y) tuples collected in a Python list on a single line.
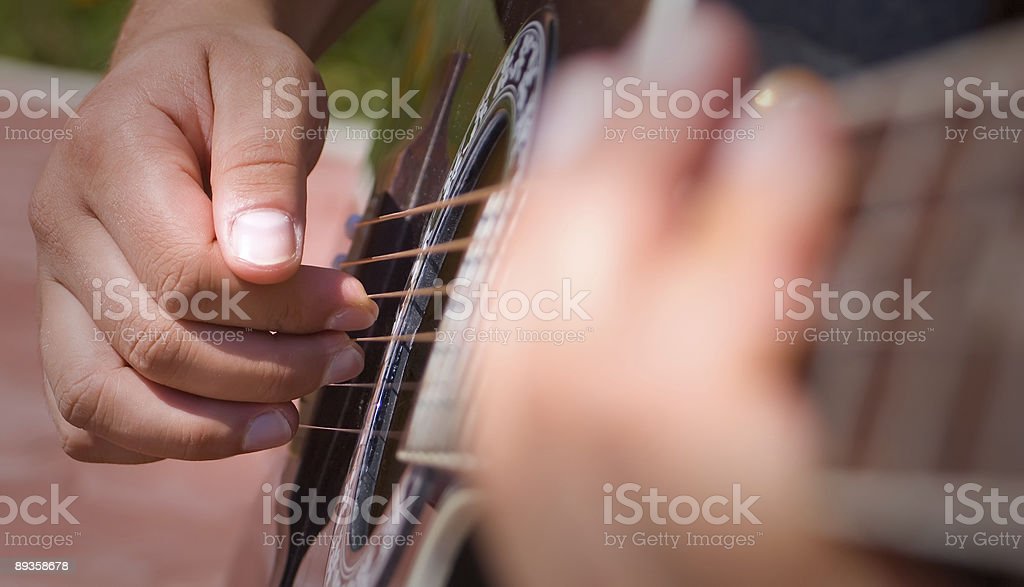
[(679, 385)]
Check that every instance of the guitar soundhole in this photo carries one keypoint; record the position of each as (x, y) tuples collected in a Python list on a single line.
[(467, 570), (488, 169)]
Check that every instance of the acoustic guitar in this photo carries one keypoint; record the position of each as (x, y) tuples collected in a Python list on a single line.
[(905, 418), (482, 67)]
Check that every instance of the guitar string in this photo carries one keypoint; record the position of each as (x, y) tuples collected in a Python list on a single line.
[(416, 337), (473, 34), (862, 210), (423, 291), (370, 385), (462, 200), (455, 245), (450, 246), (366, 386), (346, 430), (463, 244)]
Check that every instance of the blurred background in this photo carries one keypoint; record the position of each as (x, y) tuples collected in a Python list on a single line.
[(80, 34)]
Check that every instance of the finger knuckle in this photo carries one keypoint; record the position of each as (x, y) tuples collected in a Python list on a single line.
[(80, 136), (79, 398), (84, 144), (291, 375), (263, 166), (200, 444), (290, 317), (292, 63), (278, 382), (41, 218), (78, 448), (48, 208), (58, 197), (154, 351), (177, 274)]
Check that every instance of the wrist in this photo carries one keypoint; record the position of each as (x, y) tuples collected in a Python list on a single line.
[(312, 24), (152, 18)]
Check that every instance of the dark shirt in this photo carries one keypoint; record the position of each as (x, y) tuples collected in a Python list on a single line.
[(838, 36)]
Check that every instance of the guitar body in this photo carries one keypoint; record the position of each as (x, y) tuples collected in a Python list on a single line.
[(383, 449), (481, 67)]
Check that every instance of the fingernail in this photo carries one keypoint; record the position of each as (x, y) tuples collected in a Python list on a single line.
[(663, 31), (263, 237), (573, 116), (267, 431), (357, 318), (797, 117), (788, 89), (360, 311), (797, 103), (345, 365)]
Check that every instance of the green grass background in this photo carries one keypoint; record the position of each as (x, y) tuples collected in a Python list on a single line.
[(80, 34)]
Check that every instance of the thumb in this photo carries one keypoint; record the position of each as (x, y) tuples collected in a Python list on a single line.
[(266, 139)]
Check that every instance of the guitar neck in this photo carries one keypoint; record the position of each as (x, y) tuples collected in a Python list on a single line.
[(931, 400)]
